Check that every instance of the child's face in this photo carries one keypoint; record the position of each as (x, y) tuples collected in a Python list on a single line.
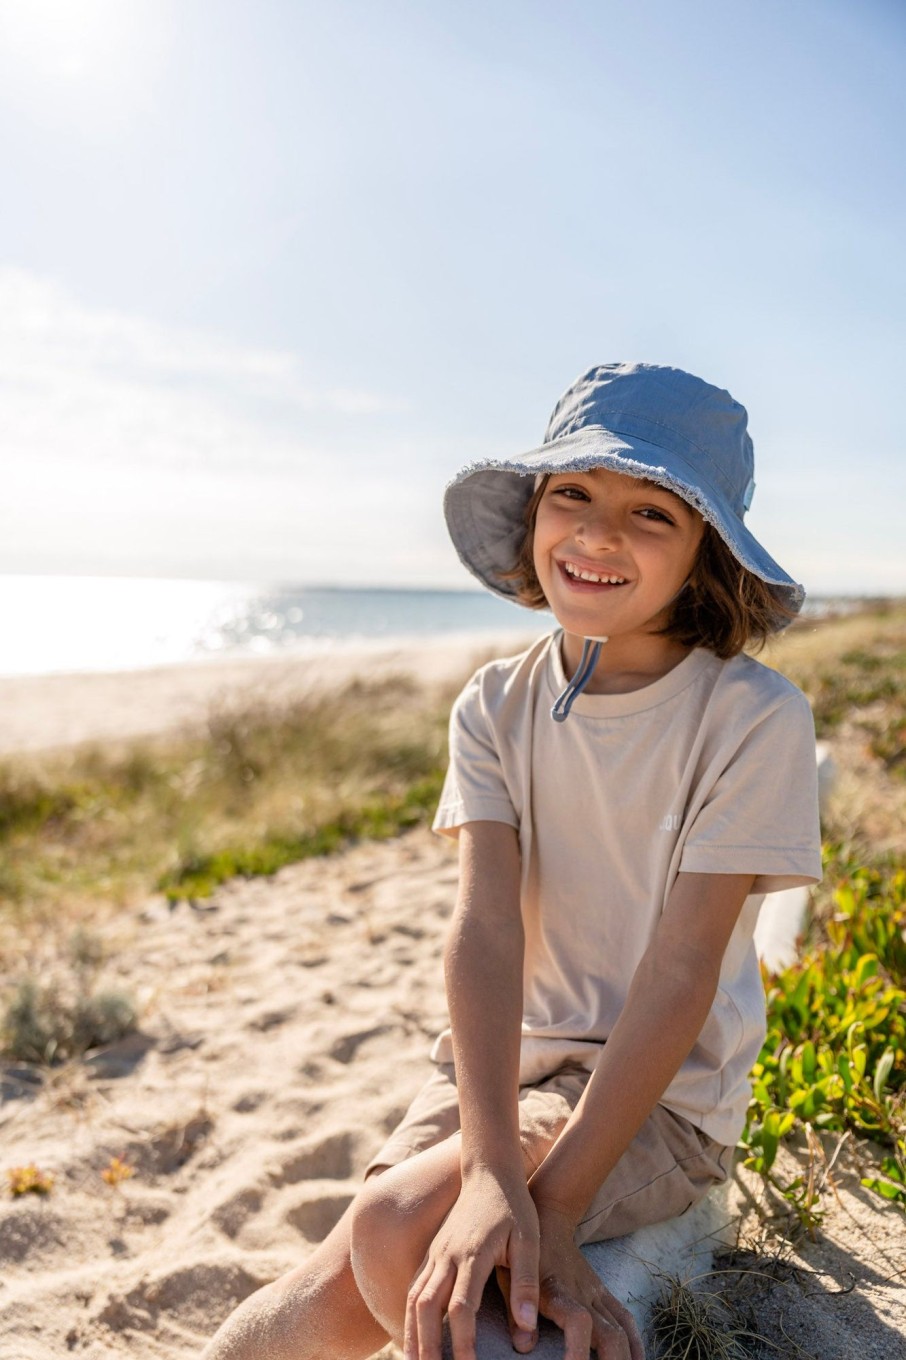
[(606, 525)]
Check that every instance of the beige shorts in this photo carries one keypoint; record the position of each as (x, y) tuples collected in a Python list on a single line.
[(668, 1166)]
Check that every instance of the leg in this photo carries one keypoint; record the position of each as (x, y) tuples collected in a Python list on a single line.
[(318, 1310), (397, 1215), (309, 1313), (351, 1292), (394, 1221)]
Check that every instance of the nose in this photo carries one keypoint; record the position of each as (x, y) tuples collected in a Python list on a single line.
[(599, 527)]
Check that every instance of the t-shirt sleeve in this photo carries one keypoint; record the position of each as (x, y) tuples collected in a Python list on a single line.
[(475, 789), (761, 814)]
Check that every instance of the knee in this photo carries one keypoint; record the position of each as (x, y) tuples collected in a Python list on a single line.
[(378, 1219), (386, 1248)]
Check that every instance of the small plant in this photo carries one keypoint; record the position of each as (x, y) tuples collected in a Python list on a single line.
[(116, 1171), (197, 875), (689, 1322), (29, 1180), (52, 1023), (835, 1054)]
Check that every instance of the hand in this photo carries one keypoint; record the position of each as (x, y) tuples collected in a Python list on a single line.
[(493, 1223), (574, 1298)]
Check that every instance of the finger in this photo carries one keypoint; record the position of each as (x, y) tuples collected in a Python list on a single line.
[(410, 1329), (425, 1308), (524, 1289), (617, 1313), (522, 1340), (574, 1322), (608, 1338), (462, 1310)]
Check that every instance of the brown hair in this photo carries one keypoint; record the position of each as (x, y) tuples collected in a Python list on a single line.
[(723, 606)]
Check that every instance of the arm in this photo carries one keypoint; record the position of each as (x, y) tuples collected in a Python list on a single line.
[(493, 1223), (483, 970), (668, 1002)]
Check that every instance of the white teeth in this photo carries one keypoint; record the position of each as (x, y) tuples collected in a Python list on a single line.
[(590, 576)]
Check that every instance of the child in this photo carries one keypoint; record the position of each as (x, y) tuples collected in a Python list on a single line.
[(624, 794)]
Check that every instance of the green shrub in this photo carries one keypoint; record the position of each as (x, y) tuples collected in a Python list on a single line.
[(835, 1053), (44, 1024)]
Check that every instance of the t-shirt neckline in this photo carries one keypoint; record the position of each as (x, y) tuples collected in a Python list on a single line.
[(619, 705)]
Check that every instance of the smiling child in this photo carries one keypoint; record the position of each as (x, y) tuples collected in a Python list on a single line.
[(624, 794)]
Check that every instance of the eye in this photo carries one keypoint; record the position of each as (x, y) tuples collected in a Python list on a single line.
[(658, 516), (570, 493)]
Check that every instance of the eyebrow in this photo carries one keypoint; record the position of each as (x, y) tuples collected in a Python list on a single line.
[(645, 482)]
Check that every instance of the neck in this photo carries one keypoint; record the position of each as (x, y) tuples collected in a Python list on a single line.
[(625, 664)]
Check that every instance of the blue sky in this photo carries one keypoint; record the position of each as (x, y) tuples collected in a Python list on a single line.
[(270, 271)]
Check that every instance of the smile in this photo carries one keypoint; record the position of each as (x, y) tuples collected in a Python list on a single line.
[(580, 574)]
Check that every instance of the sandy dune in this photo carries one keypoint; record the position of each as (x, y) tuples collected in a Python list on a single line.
[(284, 1026)]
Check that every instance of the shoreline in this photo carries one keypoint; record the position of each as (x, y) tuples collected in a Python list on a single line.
[(43, 713)]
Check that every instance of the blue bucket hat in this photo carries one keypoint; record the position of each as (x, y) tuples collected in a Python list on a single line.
[(639, 419)]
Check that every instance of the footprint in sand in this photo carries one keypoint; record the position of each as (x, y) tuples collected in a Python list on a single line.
[(250, 1101), (187, 1295), (232, 1215), (33, 1230), (345, 1048), (271, 1018), (316, 1211), (327, 1158), (169, 1148)]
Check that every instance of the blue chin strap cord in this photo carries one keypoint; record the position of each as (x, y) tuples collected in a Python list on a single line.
[(591, 650)]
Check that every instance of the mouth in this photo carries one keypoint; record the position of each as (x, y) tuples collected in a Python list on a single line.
[(581, 576)]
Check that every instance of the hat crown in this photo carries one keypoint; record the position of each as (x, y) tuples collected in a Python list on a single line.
[(670, 409)]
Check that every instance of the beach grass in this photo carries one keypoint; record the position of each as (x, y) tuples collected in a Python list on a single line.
[(265, 784), (94, 831), (97, 829), (853, 669)]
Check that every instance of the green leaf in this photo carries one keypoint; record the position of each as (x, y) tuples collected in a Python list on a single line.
[(882, 1072), (885, 1188)]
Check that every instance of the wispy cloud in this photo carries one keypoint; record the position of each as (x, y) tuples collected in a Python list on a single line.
[(98, 386), (130, 446)]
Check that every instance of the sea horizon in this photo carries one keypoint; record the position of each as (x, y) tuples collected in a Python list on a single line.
[(52, 624)]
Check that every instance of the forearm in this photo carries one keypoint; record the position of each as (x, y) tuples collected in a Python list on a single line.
[(483, 967), (665, 1010)]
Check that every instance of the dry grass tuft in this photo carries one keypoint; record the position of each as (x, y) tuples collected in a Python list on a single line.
[(689, 1322)]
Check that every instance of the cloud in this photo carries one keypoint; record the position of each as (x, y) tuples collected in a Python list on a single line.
[(96, 387), (130, 446)]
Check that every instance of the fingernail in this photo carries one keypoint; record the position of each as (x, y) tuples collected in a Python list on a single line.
[(526, 1314)]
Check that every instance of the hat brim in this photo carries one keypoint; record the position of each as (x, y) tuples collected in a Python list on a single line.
[(485, 504)]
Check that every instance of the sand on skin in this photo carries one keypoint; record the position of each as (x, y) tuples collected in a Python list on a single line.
[(285, 1025)]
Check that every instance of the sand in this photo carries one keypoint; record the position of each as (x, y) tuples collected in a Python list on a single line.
[(46, 711), (284, 1025)]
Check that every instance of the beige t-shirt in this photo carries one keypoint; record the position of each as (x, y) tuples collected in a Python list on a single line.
[(711, 769)]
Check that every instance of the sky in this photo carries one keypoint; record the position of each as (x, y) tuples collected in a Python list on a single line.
[(271, 272)]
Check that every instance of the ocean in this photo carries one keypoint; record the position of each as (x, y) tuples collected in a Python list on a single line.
[(52, 624)]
